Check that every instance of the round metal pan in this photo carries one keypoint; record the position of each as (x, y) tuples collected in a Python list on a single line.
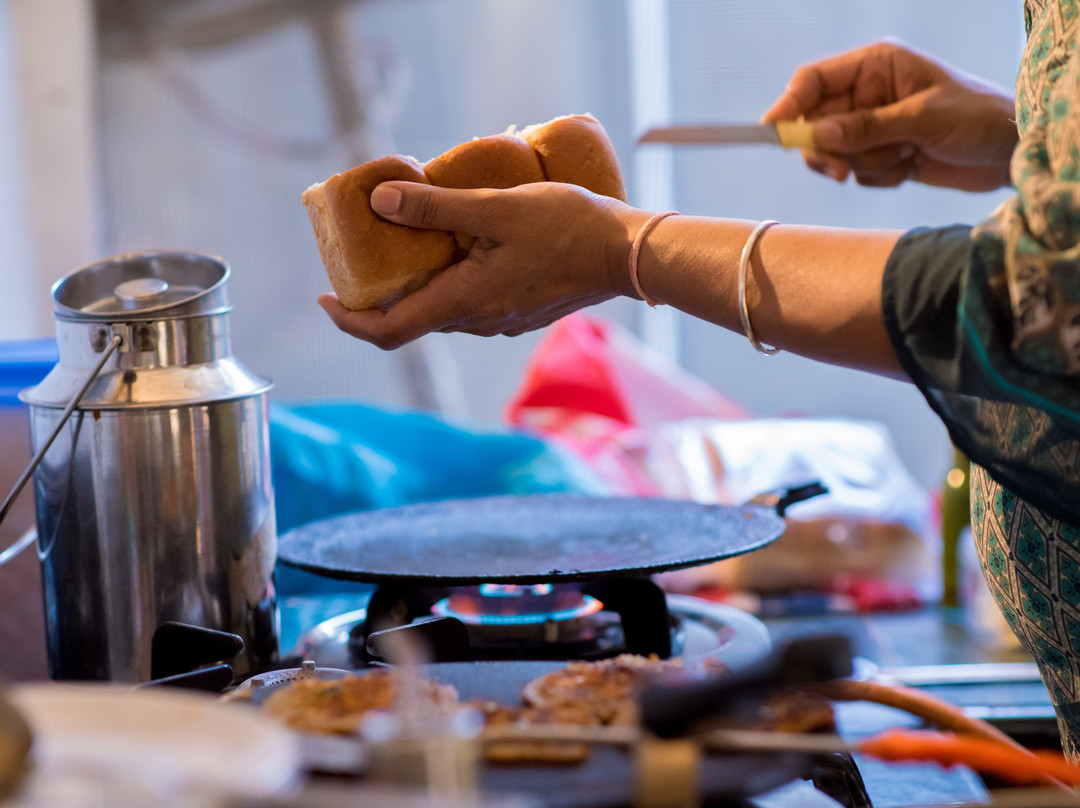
[(604, 780), (534, 539)]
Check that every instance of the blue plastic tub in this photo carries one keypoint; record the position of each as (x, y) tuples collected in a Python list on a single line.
[(23, 364)]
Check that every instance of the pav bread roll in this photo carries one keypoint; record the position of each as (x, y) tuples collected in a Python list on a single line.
[(496, 161), (373, 263), (575, 149)]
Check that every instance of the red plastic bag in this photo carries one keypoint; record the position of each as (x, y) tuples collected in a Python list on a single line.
[(593, 386)]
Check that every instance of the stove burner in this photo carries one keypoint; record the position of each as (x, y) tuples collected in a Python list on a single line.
[(537, 621), (517, 604), (696, 629)]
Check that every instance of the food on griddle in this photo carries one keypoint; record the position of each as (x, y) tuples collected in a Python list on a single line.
[(598, 693), (607, 689), (585, 694), (372, 262), (336, 706), (523, 751)]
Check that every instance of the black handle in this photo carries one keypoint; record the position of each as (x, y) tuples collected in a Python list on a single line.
[(671, 711), (798, 494), (178, 648)]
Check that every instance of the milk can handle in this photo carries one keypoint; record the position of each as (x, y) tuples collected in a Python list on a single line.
[(27, 539)]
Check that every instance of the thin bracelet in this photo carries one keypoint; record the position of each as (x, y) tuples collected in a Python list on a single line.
[(635, 249), (744, 266)]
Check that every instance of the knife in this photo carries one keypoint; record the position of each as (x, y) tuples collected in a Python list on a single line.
[(786, 134)]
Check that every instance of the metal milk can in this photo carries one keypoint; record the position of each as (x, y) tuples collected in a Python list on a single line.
[(154, 504)]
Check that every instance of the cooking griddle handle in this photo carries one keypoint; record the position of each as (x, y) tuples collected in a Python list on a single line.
[(799, 494), (784, 498), (672, 711)]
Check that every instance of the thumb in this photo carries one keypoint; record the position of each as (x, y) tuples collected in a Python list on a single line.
[(426, 206), (865, 129)]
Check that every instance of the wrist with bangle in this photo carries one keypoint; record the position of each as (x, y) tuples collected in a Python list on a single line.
[(635, 251), (744, 270), (743, 273)]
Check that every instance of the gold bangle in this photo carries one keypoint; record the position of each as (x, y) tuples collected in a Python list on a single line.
[(639, 239), (744, 266)]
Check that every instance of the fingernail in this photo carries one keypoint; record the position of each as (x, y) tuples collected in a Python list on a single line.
[(385, 200), (907, 151), (828, 134)]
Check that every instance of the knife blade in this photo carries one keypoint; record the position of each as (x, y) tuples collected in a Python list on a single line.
[(786, 134)]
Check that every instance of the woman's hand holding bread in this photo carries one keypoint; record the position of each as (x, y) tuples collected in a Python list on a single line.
[(508, 283), (372, 263)]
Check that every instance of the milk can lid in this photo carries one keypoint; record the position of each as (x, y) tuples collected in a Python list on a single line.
[(143, 284)]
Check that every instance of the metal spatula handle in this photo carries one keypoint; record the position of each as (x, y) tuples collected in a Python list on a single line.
[(26, 539)]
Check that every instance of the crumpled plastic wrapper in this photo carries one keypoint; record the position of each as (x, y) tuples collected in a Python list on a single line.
[(875, 522)]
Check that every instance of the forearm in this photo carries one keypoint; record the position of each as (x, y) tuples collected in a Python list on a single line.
[(814, 291)]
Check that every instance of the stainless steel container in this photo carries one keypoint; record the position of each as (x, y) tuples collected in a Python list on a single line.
[(154, 504)]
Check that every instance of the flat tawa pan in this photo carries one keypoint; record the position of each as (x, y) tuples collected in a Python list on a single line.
[(533, 539), (606, 778)]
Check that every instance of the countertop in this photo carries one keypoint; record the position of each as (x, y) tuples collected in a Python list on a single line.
[(916, 642)]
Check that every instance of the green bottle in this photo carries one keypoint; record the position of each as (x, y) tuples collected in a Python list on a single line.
[(955, 516)]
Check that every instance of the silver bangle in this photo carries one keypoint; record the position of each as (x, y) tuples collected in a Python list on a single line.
[(744, 266)]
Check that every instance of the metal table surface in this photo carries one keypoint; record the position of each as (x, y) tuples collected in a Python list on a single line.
[(940, 652)]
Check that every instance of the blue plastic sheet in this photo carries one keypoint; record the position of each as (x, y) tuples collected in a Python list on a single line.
[(331, 458), (24, 363), (341, 457)]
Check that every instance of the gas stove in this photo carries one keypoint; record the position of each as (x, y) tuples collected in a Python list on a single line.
[(501, 622), (501, 590)]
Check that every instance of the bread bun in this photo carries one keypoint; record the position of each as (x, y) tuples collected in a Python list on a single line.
[(496, 161), (371, 262), (576, 149)]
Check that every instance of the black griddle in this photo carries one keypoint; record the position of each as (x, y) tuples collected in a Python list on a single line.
[(606, 778), (530, 539)]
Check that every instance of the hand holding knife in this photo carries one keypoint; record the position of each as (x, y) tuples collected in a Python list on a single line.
[(786, 134)]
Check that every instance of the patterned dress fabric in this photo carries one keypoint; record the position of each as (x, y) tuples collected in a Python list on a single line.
[(986, 321), (1032, 565), (1033, 561), (1018, 337)]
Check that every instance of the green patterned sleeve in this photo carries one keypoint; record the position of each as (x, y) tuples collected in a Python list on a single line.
[(952, 327), (986, 320)]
